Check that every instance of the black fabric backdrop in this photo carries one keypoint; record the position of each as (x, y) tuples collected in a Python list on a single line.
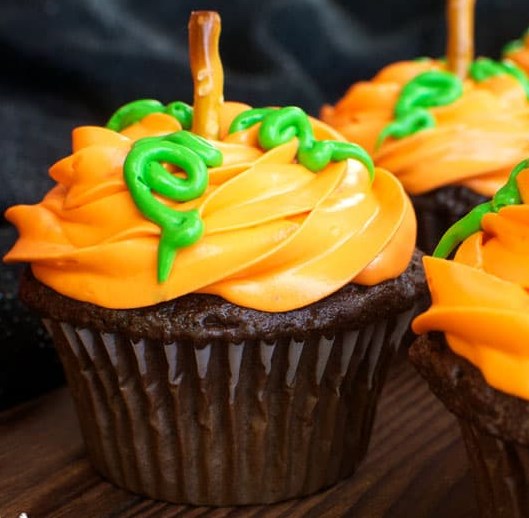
[(65, 63), (71, 62)]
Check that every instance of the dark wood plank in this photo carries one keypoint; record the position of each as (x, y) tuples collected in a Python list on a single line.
[(416, 467)]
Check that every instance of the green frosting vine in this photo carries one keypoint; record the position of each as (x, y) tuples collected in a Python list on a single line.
[(440, 88), (485, 68), (145, 175), (135, 111), (280, 125), (515, 45), (427, 90), (509, 194)]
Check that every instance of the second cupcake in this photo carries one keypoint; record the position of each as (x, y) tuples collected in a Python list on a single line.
[(451, 131)]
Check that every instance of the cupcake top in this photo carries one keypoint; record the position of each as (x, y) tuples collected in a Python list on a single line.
[(276, 223), (434, 123), (265, 207), (432, 129), (480, 299), (518, 51)]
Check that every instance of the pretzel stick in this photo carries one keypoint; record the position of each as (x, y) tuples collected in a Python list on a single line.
[(460, 46), (206, 69)]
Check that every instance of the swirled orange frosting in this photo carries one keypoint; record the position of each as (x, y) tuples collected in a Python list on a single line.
[(476, 140), (521, 55), (480, 300), (278, 237)]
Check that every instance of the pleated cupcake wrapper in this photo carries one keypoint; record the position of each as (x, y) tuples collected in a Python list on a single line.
[(227, 423), (500, 470)]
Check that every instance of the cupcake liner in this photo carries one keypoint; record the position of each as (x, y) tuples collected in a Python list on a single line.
[(501, 473), (227, 423)]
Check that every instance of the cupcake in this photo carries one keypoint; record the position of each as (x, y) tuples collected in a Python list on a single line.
[(473, 349), (226, 287), (451, 131), (517, 51)]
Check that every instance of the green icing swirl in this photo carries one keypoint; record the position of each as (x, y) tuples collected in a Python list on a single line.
[(427, 90), (515, 45), (485, 68), (144, 175), (512, 46), (440, 88), (280, 125), (509, 194), (134, 111)]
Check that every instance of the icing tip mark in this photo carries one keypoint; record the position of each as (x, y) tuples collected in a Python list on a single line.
[(145, 174), (509, 194), (280, 125)]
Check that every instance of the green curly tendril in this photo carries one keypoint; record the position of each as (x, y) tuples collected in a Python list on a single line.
[(440, 88), (515, 45), (485, 68), (280, 125), (135, 111), (144, 175), (509, 194), (427, 90)]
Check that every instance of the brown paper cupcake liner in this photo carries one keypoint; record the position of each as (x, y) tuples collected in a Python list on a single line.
[(501, 473), (228, 423)]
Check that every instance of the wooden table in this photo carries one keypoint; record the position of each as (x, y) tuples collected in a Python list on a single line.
[(416, 467)]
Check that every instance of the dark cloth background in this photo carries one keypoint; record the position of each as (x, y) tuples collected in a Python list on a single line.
[(72, 62), (65, 63)]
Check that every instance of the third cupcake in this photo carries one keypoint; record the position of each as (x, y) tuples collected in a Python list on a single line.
[(474, 351)]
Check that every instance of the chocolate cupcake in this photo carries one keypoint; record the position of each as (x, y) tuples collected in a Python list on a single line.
[(451, 131), (474, 355), (225, 300)]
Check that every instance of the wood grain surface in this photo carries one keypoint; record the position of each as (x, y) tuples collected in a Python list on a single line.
[(416, 467)]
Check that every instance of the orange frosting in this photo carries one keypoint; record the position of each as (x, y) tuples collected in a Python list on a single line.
[(278, 237), (480, 300), (476, 141)]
